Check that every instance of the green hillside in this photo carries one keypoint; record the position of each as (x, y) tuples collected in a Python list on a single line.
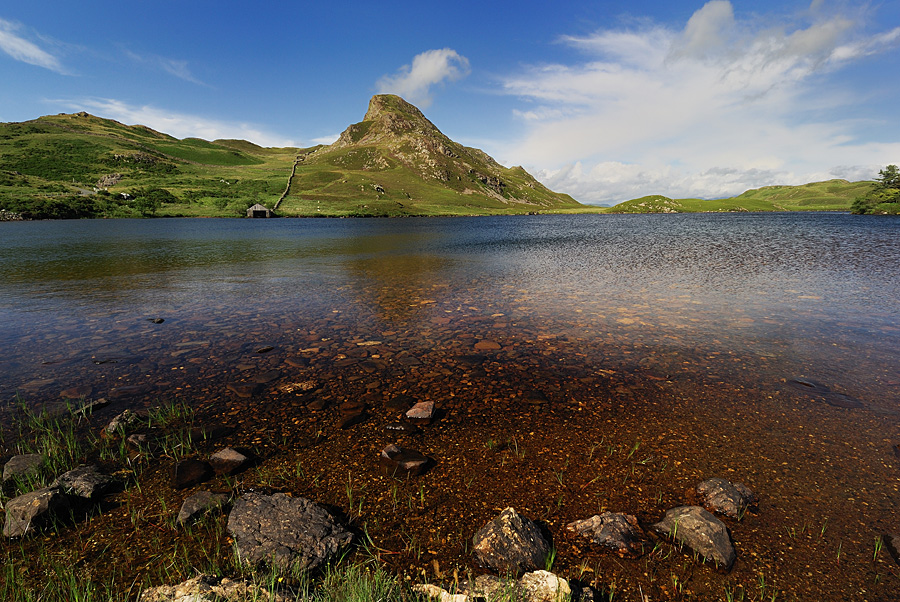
[(832, 195), (394, 162), (78, 165)]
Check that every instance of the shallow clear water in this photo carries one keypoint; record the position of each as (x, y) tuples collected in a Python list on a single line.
[(816, 293), (675, 334)]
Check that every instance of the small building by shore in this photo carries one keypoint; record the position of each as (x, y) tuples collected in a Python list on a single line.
[(258, 210)]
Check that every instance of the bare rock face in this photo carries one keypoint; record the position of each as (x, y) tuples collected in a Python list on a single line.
[(511, 544), (285, 531), (613, 530), (723, 496), (700, 531), (32, 510)]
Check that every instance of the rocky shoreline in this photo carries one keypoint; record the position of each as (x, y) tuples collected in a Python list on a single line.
[(296, 534)]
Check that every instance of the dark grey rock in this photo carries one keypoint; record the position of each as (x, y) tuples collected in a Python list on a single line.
[(228, 461), (86, 481), (892, 543), (402, 462), (511, 544), (700, 531), (23, 466), (285, 531), (122, 423), (202, 502), (33, 510), (613, 530), (190, 472), (723, 496)]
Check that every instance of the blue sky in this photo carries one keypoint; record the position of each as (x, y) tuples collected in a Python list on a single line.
[(604, 100)]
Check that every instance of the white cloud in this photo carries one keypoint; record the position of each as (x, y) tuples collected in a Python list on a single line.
[(23, 50), (326, 139), (710, 110), (180, 125), (428, 69)]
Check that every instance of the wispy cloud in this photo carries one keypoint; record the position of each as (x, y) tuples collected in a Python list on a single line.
[(414, 82), (175, 67), (180, 125), (325, 139), (709, 110), (14, 44)]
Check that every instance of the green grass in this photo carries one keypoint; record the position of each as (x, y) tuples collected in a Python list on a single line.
[(831, 195)]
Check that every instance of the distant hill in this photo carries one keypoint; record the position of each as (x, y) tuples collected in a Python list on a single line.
[(831, 195), (394, 162)]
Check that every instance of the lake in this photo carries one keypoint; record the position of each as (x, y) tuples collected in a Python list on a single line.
[(696, 342)]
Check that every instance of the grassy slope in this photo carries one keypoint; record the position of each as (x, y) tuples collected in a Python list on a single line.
[(832, 195), (62, 155)]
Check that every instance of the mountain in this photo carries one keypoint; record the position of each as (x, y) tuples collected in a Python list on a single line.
[(393, 162), (831, 195), (396, 162)]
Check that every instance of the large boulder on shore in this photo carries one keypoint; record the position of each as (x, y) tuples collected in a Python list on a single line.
[(700, 531), (511, 544), (33, 510), (285, 531)]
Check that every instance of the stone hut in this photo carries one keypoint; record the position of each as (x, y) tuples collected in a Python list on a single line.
[(258, 210)]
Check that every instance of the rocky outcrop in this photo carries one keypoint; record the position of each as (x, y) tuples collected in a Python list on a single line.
[(285, 531), (511, 544)]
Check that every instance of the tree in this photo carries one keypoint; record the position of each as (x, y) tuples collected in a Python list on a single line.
[(884, 198), (889, 177)]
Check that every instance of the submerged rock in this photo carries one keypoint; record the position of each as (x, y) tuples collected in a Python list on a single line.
[(23, 466), (511, 544), (33, 510), (199, 504), (613, 530), (723, 496), (87, 482), (122, 422), (421, 413), (700, 531), (190, 472), (228, 461), (402, 462), (285, 531)]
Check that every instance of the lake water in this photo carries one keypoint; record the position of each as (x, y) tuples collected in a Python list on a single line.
[(678, 332)]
